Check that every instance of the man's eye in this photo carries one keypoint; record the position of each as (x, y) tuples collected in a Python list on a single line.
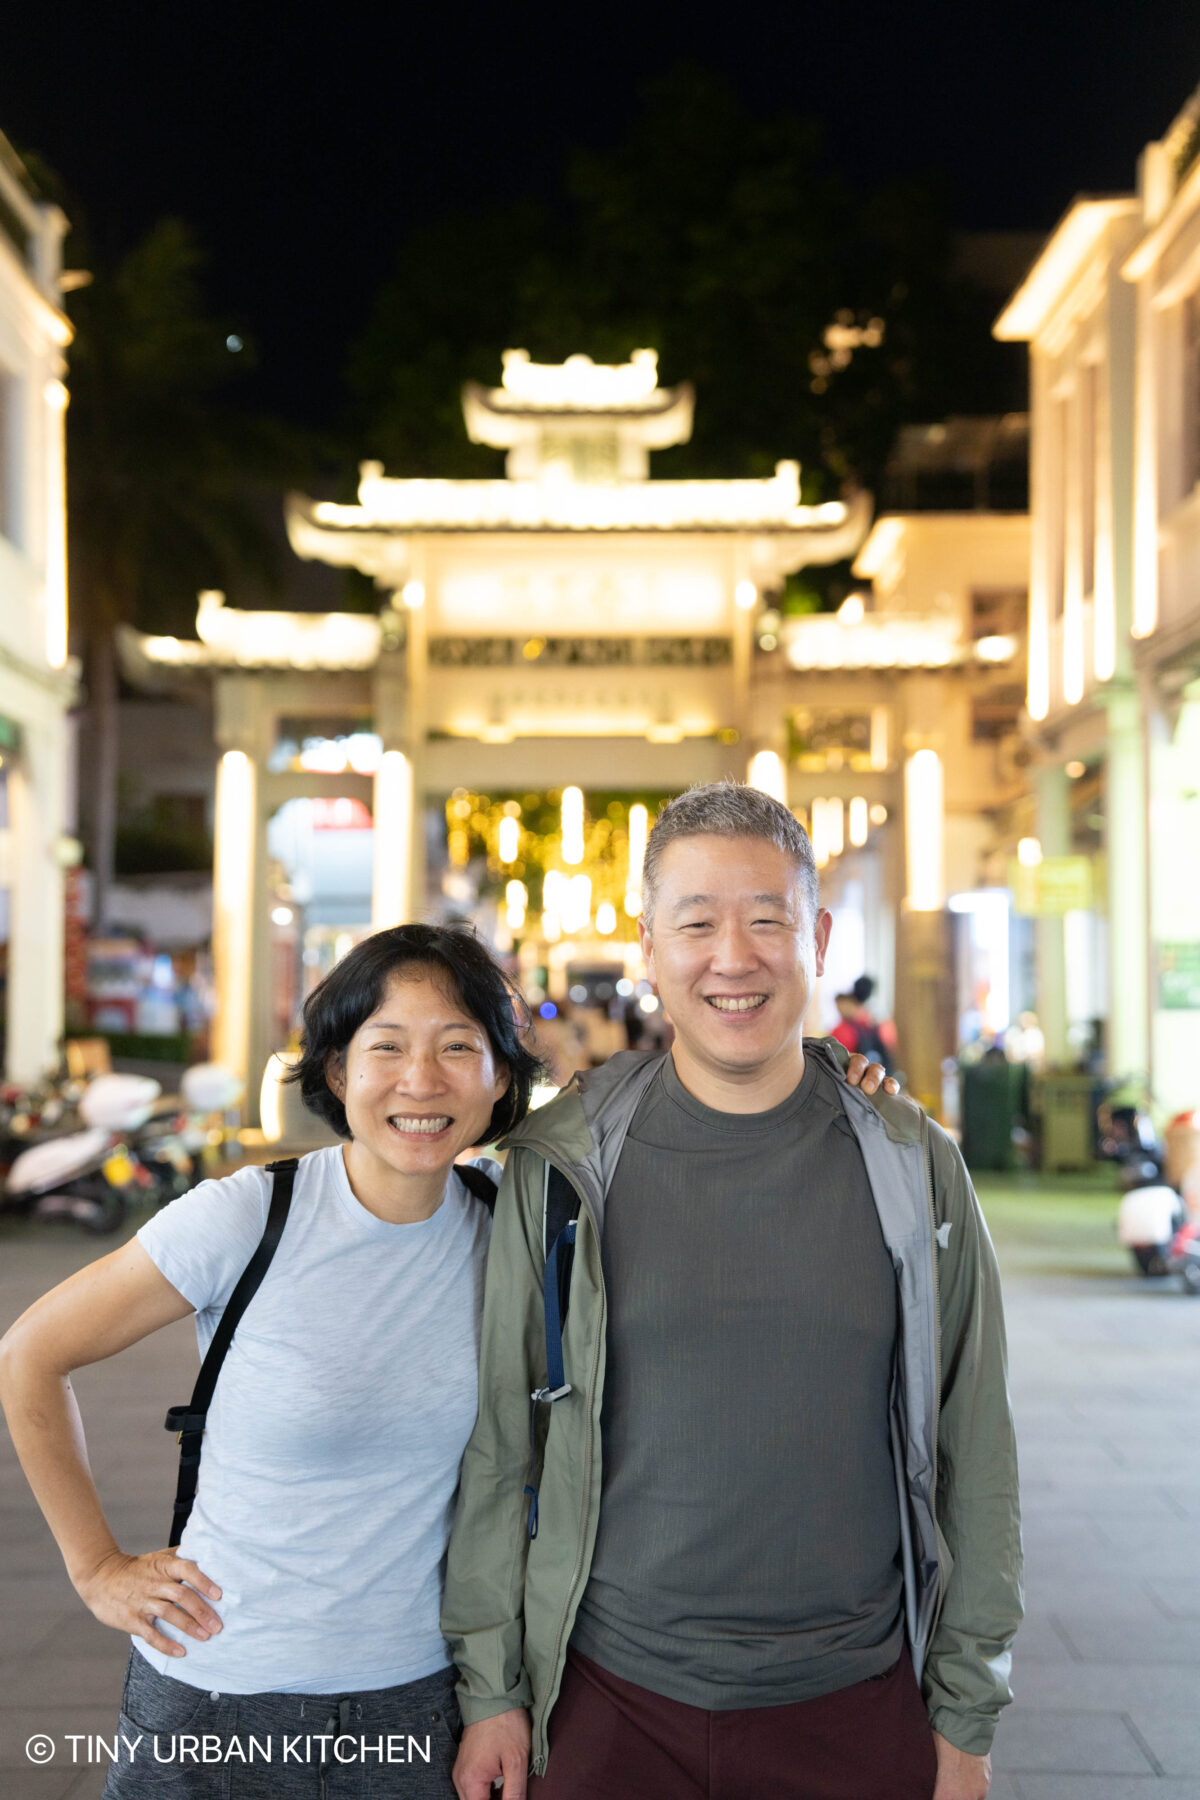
[(695, 925), (461, 1046)]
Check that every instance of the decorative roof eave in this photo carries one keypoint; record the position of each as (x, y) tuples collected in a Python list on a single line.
[(878, 641), (420, 507), (1071, 245), (499, 419), (230, 639), (1154, 246)]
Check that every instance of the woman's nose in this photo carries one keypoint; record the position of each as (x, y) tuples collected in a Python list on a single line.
[(420, 1075)]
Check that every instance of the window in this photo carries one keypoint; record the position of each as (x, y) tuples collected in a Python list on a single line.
[(998, 612), (994, 713)]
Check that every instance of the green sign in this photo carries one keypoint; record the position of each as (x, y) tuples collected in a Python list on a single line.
[(1179, 977), (1056, 885)]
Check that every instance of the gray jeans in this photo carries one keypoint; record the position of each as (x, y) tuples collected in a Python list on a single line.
[(395, 1743)]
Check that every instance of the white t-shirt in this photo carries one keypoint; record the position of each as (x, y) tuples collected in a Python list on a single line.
[(330, 1461)]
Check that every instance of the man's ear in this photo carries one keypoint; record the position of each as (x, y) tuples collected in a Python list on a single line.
[(821, 932), (335, 1074), (646, 940)]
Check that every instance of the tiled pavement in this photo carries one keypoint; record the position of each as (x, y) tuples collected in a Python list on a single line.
[(1106, 1379)]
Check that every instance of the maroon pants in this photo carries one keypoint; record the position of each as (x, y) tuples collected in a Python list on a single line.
[(610, 1740)]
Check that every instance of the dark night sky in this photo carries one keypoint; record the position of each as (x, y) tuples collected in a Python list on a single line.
[(302, 142)]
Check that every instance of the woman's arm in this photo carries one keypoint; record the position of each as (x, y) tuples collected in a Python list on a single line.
[(104, 1308)]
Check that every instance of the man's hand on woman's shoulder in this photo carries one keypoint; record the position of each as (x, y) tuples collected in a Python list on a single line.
[(870, 1076)]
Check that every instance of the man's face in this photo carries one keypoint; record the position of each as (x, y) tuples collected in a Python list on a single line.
[(732, 953)]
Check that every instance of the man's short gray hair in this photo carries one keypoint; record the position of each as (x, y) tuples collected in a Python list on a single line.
[(729, 809)]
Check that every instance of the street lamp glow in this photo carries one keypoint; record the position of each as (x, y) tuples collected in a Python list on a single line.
[(639, 828), (859, 823), (577, 906), (606, 918), (768, 774), (391, 839), (745, 596), (508, 839), (233, 908), (1029, 852), (572, 825), (925, 831), (413, 595), (516, 897)]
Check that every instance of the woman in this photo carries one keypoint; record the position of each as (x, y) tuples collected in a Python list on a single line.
[(302, 1605)]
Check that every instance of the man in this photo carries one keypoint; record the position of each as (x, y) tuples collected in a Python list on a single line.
[(781, 1488)]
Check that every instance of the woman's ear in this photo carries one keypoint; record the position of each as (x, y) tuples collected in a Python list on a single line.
[(335, 1074)]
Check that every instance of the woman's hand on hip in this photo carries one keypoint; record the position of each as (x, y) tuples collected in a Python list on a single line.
[(131, 1592)]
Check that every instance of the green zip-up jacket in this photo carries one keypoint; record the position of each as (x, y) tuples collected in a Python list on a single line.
[(510, 1602)]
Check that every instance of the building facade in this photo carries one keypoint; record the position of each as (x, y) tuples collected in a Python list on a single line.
[(558, 651), (1111, 313), (36, 686)]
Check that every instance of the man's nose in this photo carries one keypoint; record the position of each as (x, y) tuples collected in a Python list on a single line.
[(733, 949)]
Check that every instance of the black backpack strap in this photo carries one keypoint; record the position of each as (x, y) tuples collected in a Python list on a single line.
[(188, 1421), (560, 1211), (478, 1182)]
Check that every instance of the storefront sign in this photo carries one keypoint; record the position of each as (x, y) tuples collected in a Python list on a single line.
[(1056, 885), (1179, 977)]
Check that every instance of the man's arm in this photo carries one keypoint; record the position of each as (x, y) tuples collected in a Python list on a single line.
[(483, 1607), (966, 1678)]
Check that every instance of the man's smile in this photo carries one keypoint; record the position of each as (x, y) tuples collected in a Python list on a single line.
[(736, 1003)]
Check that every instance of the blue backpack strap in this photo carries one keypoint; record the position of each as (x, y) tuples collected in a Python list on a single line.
[(560, 1214)]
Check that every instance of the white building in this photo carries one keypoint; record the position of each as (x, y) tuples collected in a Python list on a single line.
[(35, 684), (1111, 312), (1164, 274)]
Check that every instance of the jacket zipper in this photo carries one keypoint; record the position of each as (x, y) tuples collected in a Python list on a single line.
[(937, 1353)]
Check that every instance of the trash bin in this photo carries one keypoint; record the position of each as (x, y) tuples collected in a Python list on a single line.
[(993, 1101), (1065, 1108)]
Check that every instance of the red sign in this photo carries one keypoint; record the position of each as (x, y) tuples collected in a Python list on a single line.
[(341, 814)]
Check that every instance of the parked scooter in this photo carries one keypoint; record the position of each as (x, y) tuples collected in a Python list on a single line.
[(1152, 1211), (88, 1177)]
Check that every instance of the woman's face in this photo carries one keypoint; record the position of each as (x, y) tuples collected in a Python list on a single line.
[(419, 1078)]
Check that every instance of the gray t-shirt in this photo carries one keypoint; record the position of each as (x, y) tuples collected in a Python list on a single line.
[(749, 1537)]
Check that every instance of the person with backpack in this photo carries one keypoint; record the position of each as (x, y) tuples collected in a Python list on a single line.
[(301, 1601), (739, 1514)]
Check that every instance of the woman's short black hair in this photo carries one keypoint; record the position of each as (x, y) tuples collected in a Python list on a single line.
[(355, 987)]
